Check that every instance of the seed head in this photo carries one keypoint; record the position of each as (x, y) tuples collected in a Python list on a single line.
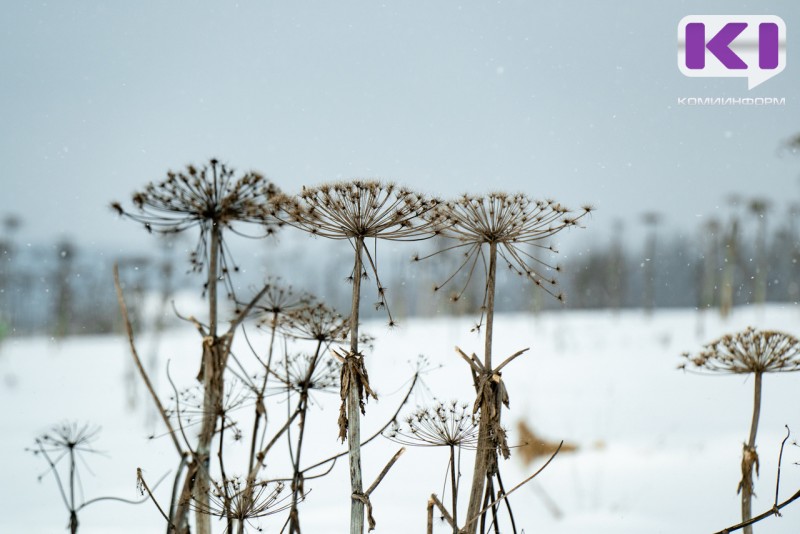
[(749, 351), (301, 373), (513, 223), (210, 198), (444, 424), (360, 210), (232, 499), (315, 322)]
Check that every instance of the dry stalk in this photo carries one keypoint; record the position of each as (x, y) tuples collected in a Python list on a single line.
[(499, 226), (749, 352), (356, 211)]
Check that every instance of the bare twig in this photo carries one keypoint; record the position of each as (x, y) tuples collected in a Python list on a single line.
[(376, 434), (434, 500), (780, 459), (771, 512), (515, 488), (385, 471), (144, 488), (129, 329), (363, 498)]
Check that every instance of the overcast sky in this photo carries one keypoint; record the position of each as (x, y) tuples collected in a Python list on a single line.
[(571, 100)]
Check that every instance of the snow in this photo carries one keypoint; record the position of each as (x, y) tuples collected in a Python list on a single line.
[(660, 449)]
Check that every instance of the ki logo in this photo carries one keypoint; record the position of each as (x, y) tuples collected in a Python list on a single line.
[(732, 46)]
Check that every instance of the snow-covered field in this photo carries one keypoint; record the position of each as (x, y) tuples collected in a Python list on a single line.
[(659, 448)]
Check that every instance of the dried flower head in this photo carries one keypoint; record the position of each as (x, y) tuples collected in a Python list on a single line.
[(71, 441), (749, 351), (210, 198), (356, 211), (511, 223), (361, 208), (69, 436), (277, 301), (232, 499), (301, 373), (444, 424), (315, 322), (188, 408)]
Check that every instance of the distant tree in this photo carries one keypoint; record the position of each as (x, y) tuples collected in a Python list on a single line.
[(731, 241), (759, 207), (651, 221), (66, 252)]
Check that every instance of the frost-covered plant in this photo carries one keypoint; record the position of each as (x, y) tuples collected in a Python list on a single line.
[(487, 229), (748, 352), (356, 212)]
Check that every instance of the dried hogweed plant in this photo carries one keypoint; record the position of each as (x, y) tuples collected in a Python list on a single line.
[(358, 211), (451, 425), (305, 373), (753, 352), (214, 200), (239, 504), (70, 442), (487, 229)]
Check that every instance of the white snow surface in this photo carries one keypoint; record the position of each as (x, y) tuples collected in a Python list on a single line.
[(660, 449)]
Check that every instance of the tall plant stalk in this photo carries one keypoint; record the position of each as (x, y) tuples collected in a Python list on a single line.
[(355, 211), (486, 447), (750, 458), (354, 402), (211, 199), (212, 390), (749, 352), (507, 225), (454, 486)]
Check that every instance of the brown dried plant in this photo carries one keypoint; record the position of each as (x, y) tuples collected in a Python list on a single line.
[(488, 228), (71, 442), (357, 211), (748, 352), (240, 504), (212, 199), (451, 425)]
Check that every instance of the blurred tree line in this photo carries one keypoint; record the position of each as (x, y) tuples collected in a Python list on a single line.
[(748, 255)]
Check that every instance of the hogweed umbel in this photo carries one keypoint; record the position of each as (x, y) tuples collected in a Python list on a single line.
[(357, 211), (451, 425), (756, 352), (71, 441), (487, 228), (209, 198)]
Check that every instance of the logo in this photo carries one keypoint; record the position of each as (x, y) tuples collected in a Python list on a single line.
[(732, 46)]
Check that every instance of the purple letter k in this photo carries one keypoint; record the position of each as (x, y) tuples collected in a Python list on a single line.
[(718, 45)]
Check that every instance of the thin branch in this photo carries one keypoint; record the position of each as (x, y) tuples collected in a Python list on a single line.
[(178, 409), (143, 486), (175, 483), (780, 459), (510, 359), (243, 314), (435, 500), (515, 488), (376, 434), (772, 511), (385, 471), (129, 329), (120, 499)]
